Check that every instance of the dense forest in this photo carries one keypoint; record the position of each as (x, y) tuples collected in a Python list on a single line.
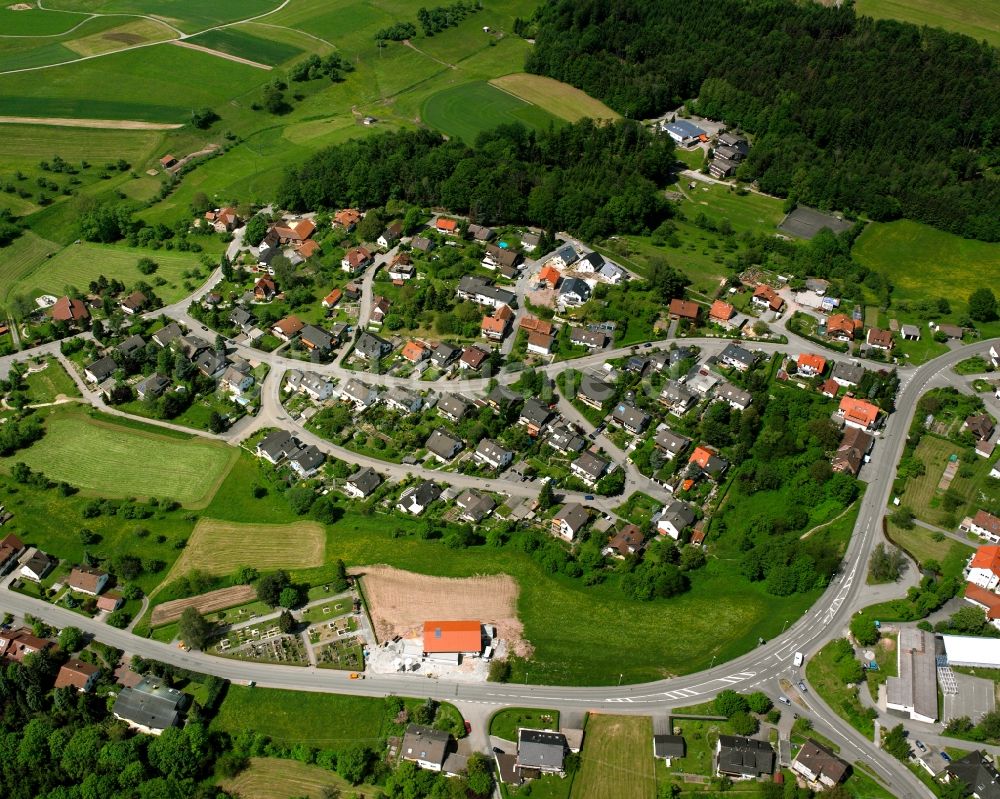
[(879, 117), (592, 180)]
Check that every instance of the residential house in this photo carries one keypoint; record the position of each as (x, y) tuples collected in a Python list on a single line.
[(37, 565), (362, 483), (295, 232), (589, 467), (241, 318), (76, 673), (879, 339), (11, 548), (497, 325), (819, 767), (16, 645), (949, 331), (480, 233), (549, 276), (453, 407), (841, 327), (346, 219), (721, 168), (737, 398), (422, 244), (810, 365), (168, 161), (70, 311), (540, 751), (331, 299), (315, 386), (540, 344), (592, 340), (152, 387), (501, 398), (847, 373), (706, 461), (275, 446), (564, 256), (474, 506), (490, 453), (684, 309), (671, 444), (674, 519), (981, 426), (446, 227), (914, 692), (443, 446), (371, 347), (633, 419), (630, 540), (191, 346), (853, 451), (701, 380), (534, 416), (910, 332), (829, 388), (569, 520), (742, 758), (316, 340), (150, 707), (401, 268), (130, 346), (573, 291), (415, 352), (738, 357), (483, 292), (415, 499), (166, 335), (676, 398), (976, 771), (858, 413), (473, 358), (391, 235), (286, 329), (530, 240), (983, 524), (565, 439), (101, 369), (984, 568), (464, 637), (612, 273), (211, 363), (594, 392), (444, 355), (721, 313), (669, 747), (359, 394), (134, 303), (355, 260), (737, 143), (403, 400), (264, 289), (766, 298), (500, 257), (380, 309), (425, 746), (87, 580)]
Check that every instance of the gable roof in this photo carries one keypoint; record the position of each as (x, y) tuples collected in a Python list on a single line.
[(977, 771), (453, 636), (149, 704), (745, 756), (69, 310), (684, 309), (858, 411), (541, 749), (84, 578), (987, 557), (809, 360), (424, 743), (75, 673), (289, 326), (821, 761), (668, 746), (720, 311), (365, 480)]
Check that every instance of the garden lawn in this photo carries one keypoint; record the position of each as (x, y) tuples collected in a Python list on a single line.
[(617, 759), (50, 383), (99, 455), (971, 17), (279, 778), (79, 264), (921, 493), (558, 98), (450, 111), (821, 669), (506, 722), (323, 721), (922, 262), (919, 543)]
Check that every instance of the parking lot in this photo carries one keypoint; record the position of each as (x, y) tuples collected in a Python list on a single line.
[(976, 696)]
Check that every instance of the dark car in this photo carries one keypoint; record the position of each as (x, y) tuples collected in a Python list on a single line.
[(802, 686), (920, 746), (498, 751), (647, 345), (468, 727), (588, 496)]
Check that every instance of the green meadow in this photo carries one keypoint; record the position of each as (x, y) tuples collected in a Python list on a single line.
[(37, 22), (188, 15), (451, 111), (247, 45), (974, 18)]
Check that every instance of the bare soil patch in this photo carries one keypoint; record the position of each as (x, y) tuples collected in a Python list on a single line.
[(19, 7), (399, 603), (109, 124), (205, 603)]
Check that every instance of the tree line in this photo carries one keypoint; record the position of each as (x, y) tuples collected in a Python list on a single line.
[(589, 179), (880, 117)]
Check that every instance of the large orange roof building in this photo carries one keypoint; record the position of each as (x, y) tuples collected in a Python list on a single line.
[(453, 636)]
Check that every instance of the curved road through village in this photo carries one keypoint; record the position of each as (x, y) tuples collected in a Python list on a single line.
[(759, 669)]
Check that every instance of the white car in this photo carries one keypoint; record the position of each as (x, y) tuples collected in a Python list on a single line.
[(797, 660)]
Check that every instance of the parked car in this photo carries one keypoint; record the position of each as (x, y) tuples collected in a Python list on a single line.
[(588, 496), (920, 746), (785, 700)]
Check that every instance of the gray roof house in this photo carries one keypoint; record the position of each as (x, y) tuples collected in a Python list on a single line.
[(594, 392), (743, 757), (210, 363), (358, 393), (674, 519), (305, 461), (372, 347), (676, 397), (453, 407), (565, 255), (101, 369), (483, 292), (569, 520), (541, 750), (738, 357), (977, 771), (445, 354), (565, 439), (130, 345), (573, 291), (165, 336), (534, 415), (591, 339), (474, 505), (425, 746), (736, 397), (152, 386), (150, 707), (490, 453), (242, 318), (415, 499), (403, 400), (667, 747), (588, 467), (633, 419), (360, 484), (444, 446), (276, 445), (670, 443), (846, 373)]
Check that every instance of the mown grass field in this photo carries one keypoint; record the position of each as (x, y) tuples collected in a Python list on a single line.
[(617, 759), (466, 111), (331, 721), (922, 262), (78, 264), (24, 146), (971, 17), (218, 547), (274, 778), (246, 45), (36, 22), (99, 455), (188, 15), (50, 383), (125, 34), (558, 98), (25, 255)]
